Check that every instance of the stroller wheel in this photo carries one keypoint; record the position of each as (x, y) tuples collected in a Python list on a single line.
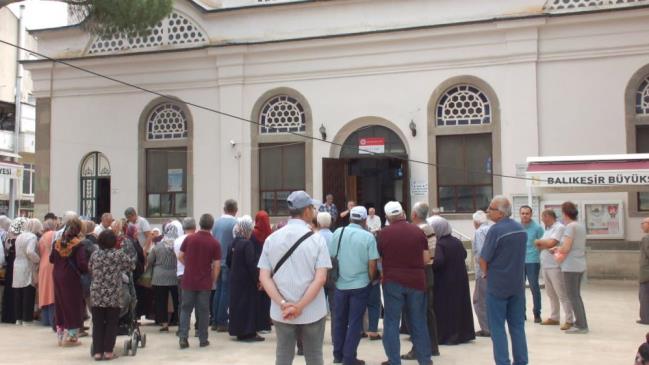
[(127, 347), (133, 346), (143, 340)]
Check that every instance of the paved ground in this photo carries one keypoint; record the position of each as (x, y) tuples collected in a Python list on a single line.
[(611, 306)]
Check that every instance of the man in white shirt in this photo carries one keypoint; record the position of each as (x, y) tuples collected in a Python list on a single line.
[(373, 221), (106, 221), (143, 229), (554, 284), (296, 287)]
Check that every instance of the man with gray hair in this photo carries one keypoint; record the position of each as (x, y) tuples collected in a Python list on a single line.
[(502, 262), (418, 216), (481, 225), (106, 221)]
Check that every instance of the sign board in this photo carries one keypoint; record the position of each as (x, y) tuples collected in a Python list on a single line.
[(11, 171), (604, 219), (418, 188), (586, 178), (519, 200), (371, 145), (174, 180)]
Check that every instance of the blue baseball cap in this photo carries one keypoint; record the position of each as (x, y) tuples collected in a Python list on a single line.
[(300, 199)]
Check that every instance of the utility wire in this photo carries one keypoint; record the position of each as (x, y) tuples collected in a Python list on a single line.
[(306, 137)]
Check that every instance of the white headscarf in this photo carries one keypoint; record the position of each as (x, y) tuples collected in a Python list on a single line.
[(440, 226), (172, 230)]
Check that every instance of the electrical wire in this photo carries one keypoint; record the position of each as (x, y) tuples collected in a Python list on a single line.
[(225, 114)]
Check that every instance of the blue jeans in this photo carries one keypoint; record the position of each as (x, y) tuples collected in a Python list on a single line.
[(374, 308), (221, 299), (532, 274), (512, 310), (396, 297), (349, 309)]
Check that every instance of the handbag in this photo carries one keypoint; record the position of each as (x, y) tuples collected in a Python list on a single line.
[(290, 252), (334, 273), (146, 278), (559, 256)]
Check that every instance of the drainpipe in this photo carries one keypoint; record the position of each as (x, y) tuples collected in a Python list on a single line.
[(13, 192)]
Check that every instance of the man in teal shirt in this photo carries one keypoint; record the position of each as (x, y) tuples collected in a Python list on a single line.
[(532, 258), (357, 255)]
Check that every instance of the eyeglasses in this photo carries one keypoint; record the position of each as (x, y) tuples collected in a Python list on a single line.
[(493, 209)]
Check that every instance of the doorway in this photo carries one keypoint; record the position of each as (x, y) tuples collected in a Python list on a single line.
[(372, 170), (95, 186)]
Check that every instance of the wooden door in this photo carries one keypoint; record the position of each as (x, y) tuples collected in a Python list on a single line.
[(334, 173)]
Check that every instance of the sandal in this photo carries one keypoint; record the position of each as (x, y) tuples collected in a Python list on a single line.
[(113, 356), (374, 337)]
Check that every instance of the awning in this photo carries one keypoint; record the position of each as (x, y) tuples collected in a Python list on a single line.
[(628, 172)]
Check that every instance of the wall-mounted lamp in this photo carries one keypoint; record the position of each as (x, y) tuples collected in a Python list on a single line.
[(413, 127), (323, 132)]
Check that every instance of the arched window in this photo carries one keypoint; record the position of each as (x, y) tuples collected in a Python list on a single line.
[(637, 108), (166, 159), (281, 159), (282, 114), (95, 185), (464, 144), (463, 105)]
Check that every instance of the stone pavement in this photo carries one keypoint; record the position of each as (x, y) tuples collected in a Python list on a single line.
[(611, 306)]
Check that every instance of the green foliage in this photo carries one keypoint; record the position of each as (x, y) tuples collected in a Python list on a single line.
[(128, 17)]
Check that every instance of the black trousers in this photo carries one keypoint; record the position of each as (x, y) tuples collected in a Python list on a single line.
[(162, 299), (24, 303), (104, 329)]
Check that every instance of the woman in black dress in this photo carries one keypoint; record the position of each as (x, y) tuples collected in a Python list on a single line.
[(244, 279), (452, 298)]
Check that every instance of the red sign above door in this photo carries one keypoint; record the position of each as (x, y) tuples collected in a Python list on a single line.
[(371, 145)]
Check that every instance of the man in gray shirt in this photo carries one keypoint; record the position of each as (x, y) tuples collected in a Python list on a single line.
[(296, 287), (222, 231)]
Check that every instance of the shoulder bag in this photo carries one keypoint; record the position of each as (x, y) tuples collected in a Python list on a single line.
[(290, 252), (333, 274)]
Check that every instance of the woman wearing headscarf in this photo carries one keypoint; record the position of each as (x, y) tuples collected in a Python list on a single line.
[(9, 250), (259, 234), (451, 291), (45, 269), (162, 259), (89, 244), (25, 265), (70, 263), (244, 279)]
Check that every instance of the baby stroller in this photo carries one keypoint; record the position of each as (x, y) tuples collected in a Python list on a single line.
[(128, 324)]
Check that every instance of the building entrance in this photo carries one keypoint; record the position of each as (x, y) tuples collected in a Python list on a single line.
[(372, 170)]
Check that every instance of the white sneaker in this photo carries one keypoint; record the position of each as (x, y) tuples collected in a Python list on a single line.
[(576, 331), (19, 323)]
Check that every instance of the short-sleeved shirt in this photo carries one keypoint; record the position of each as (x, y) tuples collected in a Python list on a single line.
[(142, 227), (504, 252), (298, 271), (534, 232), (576, 259), (357, 248), (373, 223), (180, 268), (478, 242), (554, 232), (222, 231), (401, 246), (200, 250)]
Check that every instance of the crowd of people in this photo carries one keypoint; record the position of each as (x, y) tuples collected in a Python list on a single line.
[(244, 277)]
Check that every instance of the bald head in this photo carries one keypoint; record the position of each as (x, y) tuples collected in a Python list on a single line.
[(645, 225)]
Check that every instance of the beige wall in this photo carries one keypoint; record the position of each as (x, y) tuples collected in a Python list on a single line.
[(8, 32)]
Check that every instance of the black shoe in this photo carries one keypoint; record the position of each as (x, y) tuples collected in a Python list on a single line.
[(338, 361), (204, 344), (183, 343), (409, 356), (300, 352), (482, 333), (537, 319), (639, 321), (213, 327), (221, 328), (255, 338)]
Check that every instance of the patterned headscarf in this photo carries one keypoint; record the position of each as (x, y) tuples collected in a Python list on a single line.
[(440, 226), (244, 227), (172, 231), (18, 225)]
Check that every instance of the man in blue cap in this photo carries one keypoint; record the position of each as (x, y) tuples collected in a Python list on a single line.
[(293, 269), (355, 248)]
